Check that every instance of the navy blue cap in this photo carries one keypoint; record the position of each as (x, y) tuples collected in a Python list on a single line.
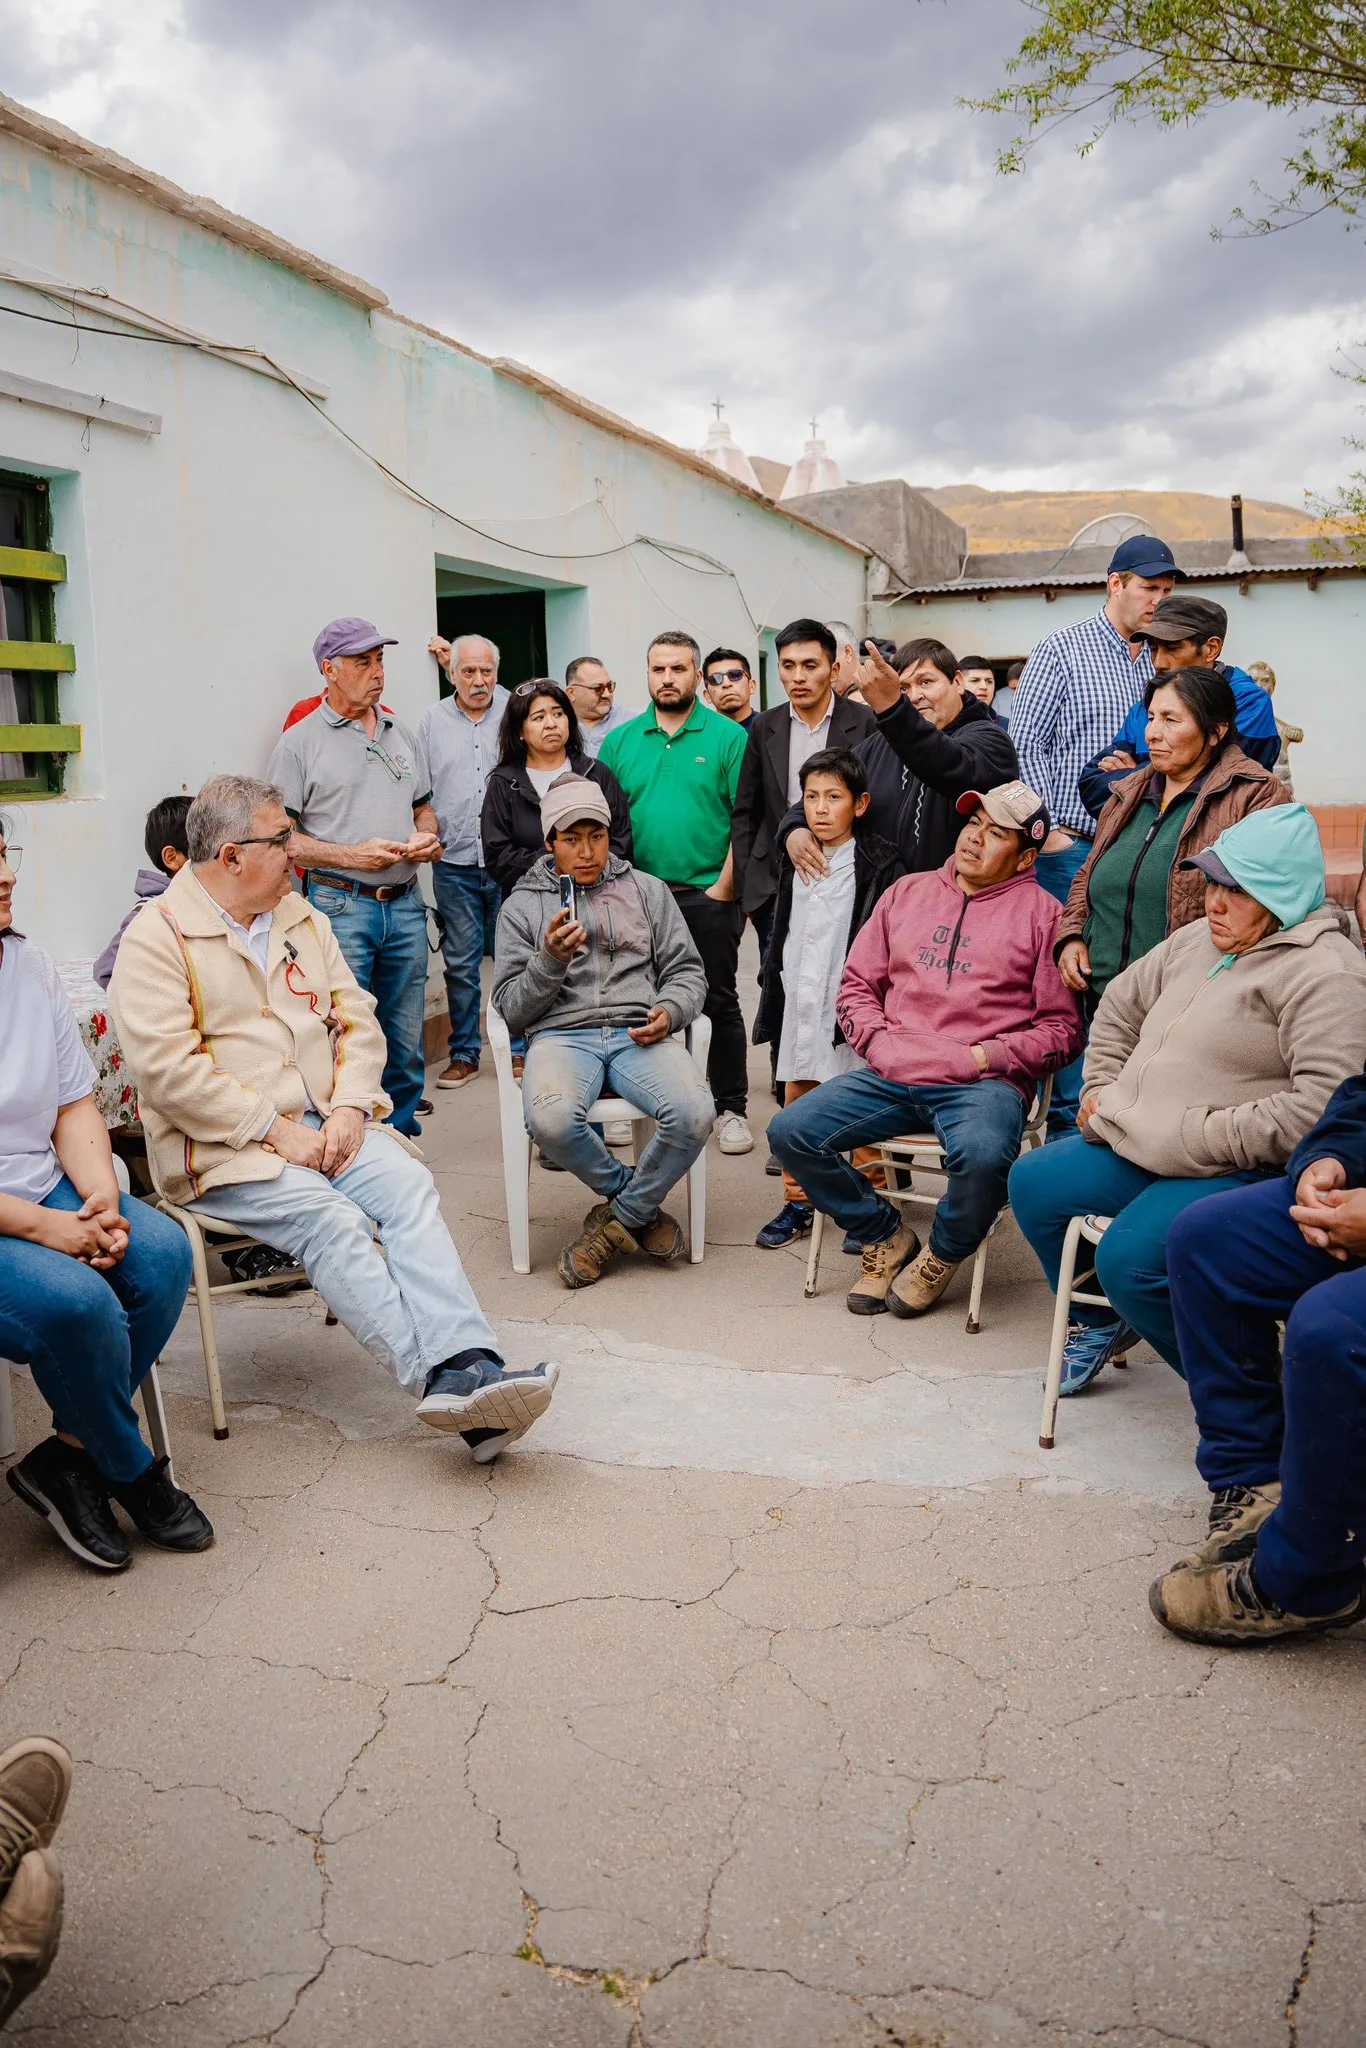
[(1143, 555)]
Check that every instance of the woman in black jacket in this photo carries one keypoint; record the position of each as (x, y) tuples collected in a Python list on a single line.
[(537, 743), (934, 742)]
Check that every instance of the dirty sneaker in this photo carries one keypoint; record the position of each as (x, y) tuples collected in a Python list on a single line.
[(733, 1134), (881, 1264), (792, 1221), (919, 1285), (587, 1258), (1236, 1513), (1089, 1348), (1226, 1606)]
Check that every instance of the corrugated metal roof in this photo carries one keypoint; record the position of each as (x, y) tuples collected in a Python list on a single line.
[(981, 586)]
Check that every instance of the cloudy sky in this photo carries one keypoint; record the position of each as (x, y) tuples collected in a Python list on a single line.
[(774, 200)]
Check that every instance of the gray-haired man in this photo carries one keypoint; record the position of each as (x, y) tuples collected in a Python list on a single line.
[(459, 738)]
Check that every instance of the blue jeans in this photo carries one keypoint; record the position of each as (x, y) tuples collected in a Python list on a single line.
[(410, 1304), (1238, 1266), (91, 1338), (1056, 873), (1073, 1178), (566, 1071), (978, 1123), (467, 902), (385, 946)]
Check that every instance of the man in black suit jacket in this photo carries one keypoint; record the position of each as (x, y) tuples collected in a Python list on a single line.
[(780, 740)]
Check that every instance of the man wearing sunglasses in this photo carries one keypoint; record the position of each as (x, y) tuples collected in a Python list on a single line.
[(357, 787), (729, 686), (593, 695)]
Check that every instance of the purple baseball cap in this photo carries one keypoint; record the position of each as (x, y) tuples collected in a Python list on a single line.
[(349, 636)]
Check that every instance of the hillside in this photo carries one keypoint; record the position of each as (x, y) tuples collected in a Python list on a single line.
[(1046, 519)]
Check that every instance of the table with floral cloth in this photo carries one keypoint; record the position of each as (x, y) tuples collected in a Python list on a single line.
[(115, 1095)]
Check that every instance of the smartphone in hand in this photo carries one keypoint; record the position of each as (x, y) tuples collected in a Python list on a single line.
[(567, 897)]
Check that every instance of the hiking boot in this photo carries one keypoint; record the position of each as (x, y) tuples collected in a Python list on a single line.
[(1236, 1513), (457, 1074), (661, 1238), (919, 1285), (881, 1264), (30, 1927), (792, 1221), (485, 1394), (165, 1515), (587, 1258), (1089, 1348), (35, 1778), (65, 1486), (1225, 1605)]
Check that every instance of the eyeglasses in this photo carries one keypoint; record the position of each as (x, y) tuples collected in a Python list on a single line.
[(12, 857), (727, 675), (280, 839)]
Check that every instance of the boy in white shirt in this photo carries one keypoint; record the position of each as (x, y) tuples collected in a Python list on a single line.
[(814, 925)]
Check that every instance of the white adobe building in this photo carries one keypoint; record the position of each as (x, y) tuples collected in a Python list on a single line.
[(242, 442)]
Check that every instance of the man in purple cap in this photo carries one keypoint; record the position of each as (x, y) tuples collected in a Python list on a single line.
[(355, 783)]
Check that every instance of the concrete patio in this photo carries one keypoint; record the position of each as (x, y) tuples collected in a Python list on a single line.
[(777, 1692)]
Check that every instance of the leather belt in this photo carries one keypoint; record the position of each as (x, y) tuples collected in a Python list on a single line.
[(379, 892)]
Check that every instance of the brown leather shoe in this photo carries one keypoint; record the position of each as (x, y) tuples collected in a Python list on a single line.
[(457, 1073), (30, 1927), (1236, 1513), (881, 1264), (518, 1066), (919, 1285), (587, 1258), (35, 1778), (662, 1239)]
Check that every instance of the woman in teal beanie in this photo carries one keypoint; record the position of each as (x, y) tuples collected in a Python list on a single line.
[(1209, 1059)]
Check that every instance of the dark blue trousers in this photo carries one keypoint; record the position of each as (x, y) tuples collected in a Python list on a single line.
[(1237, 1265)]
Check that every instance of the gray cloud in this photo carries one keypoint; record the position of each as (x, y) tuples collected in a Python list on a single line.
[(781, 201)]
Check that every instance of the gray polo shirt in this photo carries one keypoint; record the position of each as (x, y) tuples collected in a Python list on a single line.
[(339, 784)]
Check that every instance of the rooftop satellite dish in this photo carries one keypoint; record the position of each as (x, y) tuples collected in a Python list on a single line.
[(1109, 530)]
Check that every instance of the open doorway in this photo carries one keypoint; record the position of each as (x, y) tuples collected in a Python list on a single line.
[(513, 619)]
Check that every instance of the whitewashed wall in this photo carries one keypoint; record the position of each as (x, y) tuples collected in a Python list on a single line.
[(1314, 639), (203, 560)]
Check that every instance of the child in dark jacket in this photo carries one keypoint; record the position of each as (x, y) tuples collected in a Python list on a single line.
[(814, 925), (167, 850)]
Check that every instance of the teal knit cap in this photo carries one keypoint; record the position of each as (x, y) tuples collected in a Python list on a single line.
[(1275, 856)]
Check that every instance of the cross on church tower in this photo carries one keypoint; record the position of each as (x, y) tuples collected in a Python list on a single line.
[(717, 403)]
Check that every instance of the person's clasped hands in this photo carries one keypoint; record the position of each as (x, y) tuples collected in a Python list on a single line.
[(328, 1150), (1330, 1215)]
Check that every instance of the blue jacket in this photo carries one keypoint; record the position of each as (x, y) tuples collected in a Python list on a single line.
[(1340, 1133), (1257, 736)]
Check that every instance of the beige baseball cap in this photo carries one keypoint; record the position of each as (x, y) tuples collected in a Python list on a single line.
[(571, 799), (1012, 804)]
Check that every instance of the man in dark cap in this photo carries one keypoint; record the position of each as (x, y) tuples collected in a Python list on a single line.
[(356, 786)]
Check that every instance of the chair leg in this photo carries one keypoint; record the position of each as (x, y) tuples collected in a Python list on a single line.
[(154, 1409), (203, 1295), (8, 1444), (1066, 1275), (813, 1257), (979, 1274), (697, 1208), (517, 1186)]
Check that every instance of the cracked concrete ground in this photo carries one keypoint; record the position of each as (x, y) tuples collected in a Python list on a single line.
[(778, 1692)]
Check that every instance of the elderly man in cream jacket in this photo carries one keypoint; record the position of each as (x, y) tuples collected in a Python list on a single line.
[(258, 1058)]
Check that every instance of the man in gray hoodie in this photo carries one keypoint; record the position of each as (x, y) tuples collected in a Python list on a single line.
[(595, 966)]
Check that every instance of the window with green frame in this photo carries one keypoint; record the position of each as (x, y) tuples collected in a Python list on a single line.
[(34, 743)]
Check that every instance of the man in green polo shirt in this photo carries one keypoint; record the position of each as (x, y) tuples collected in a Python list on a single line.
[(679, 764)]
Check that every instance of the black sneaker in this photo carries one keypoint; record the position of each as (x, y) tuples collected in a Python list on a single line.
[(486, 1395), (165, 1515), (263, 1262), (64, 1485), (488, 1444), (792, 1221), (773, 1166)]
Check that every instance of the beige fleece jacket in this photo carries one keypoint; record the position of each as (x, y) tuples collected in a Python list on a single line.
[(214, 1048), (1201, 1072)]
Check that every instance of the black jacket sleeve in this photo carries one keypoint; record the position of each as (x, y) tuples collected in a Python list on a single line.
[(747, 814), (950, 762), (620, 829), (1340, 1133), (1096, 783), (505, 857)]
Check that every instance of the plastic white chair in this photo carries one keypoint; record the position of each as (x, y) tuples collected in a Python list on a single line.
[(607, 1109), (1070, 1289), (904, 1157), (150, 1390)]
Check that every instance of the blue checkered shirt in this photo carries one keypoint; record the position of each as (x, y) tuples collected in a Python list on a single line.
[(1077, 689)]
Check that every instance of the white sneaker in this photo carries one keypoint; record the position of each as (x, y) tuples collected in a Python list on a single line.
[(618, 1132), (732, 1132)]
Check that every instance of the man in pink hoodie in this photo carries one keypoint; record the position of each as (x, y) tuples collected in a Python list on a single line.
[(951, 995)]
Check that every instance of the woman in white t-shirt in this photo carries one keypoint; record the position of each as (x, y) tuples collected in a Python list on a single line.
[(91, 1282)]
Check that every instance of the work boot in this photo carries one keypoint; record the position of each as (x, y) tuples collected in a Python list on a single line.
[(881, 1264), (1226, 1606), (1236, 1513), (587, 1258), (35, 1778), (165, 1515), (919, 1285), (30, 1927), (65, 1487), (661, 1238)]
